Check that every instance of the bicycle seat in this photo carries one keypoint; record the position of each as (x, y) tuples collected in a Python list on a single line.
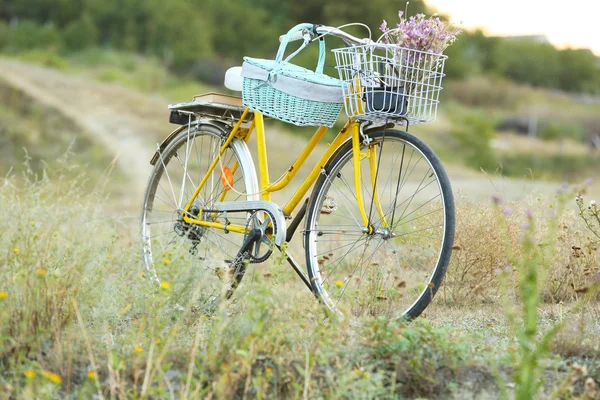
[(233, 79)]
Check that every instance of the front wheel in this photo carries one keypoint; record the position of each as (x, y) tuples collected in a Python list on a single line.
[(396, 267)]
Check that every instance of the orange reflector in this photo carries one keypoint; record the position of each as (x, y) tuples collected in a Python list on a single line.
[(227, 177)]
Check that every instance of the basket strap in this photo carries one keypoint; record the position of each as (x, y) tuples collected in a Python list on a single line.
[(286, 39)]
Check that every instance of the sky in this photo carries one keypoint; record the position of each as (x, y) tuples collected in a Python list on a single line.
[(573, 23)]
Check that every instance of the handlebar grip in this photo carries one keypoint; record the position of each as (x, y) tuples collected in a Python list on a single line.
[(296, 36)]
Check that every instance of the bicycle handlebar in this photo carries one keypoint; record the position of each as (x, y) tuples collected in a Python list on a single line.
[(323, 30)]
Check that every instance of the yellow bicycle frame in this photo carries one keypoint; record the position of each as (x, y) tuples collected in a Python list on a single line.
[(266, 187)]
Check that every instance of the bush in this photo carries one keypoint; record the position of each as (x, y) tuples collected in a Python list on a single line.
[(4, 35), (473, 133), (553, 166), (28, 35), (485, 93), (554, 130), (81, 34)]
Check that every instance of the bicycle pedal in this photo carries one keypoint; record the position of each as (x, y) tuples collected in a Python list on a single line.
[(329, 205)]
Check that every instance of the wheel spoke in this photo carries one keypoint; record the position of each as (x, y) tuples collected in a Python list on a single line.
[(188, 255), (385, 271)]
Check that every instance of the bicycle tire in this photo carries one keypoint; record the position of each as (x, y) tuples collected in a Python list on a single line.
[(187, 257), (396, 293)]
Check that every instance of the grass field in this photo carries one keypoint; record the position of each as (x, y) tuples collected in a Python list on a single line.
[(78, 319), (517, 317)]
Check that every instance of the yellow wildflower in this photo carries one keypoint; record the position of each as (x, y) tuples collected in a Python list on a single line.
[(269, 370), (29, 374), (165, 285), (138, 349), (339, 283), (55, 233), (92, 375), (167, 261), (52, 377), (16, 250), (41, 271), (32, 223), (157, 341), (3, 295)]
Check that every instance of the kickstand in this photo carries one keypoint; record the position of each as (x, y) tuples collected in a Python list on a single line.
[(240, 261)]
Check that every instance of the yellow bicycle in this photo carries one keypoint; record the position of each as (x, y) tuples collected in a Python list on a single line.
[(378, 224)]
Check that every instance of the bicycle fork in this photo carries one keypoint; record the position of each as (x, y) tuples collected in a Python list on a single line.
[(357, 157)]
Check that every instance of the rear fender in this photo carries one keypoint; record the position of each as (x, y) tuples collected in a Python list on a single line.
[(223, 127)]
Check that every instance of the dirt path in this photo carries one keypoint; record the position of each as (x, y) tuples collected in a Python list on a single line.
[(123, 121)]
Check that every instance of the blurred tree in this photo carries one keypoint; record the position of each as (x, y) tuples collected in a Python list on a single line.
[(529, 62), (242, 29), (372, 15), (310, 11), (81, 34), (27, 35), (188, 34), (4, 35), (473, 133), (579, 71)]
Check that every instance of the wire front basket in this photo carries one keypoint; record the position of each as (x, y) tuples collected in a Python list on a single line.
[(386, 82)]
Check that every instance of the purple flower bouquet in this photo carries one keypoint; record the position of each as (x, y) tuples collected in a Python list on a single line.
[(429, 35)]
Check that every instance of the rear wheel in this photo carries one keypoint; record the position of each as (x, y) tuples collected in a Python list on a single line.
[(188, 257), (395, 269)]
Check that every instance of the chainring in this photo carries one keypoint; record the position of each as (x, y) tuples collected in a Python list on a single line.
[(267, 226)]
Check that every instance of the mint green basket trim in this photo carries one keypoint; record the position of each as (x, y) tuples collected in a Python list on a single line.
[(293, 71), (291, 109)]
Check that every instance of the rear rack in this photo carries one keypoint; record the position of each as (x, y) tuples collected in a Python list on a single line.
[(209, 105)]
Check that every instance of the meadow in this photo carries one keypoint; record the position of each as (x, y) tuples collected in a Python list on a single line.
[(517, 317)]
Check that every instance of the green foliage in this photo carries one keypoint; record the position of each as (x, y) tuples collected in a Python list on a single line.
[(485, 93), (579, 71), (553, 130), (65, 291), (48, 58), (473, 133), (528, 61), (185, 33), (4, 32), (243, 29), (27, 35), (549, 166), (532, 265), (413, 353), (81, 34)]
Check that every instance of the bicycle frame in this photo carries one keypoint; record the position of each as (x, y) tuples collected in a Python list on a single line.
[(352, 127)]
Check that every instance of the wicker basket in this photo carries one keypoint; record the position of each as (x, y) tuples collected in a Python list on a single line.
[(289, 92)]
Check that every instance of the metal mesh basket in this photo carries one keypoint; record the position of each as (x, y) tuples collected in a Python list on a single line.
[(386, 82)]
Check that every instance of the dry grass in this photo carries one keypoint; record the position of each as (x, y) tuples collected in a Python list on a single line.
[(489, 240), (77, 319)]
